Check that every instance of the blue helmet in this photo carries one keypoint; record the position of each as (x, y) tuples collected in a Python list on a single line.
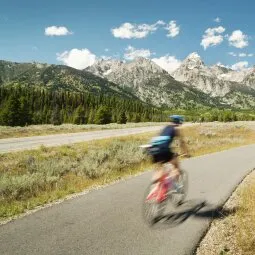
[(177, 119)]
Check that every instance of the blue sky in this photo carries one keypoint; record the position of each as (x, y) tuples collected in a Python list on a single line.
[(89, 25)]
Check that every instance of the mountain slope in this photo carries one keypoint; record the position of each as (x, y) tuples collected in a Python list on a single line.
[(236, 88), (249, 78), (151, 83), (195, 73), (56, 77)]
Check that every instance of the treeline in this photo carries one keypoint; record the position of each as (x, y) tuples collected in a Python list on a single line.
[(23, 106), (209, 115)]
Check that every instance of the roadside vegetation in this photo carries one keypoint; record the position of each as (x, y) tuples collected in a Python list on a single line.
[(32, 178), (245, 222), (48, 129), (234, 233)]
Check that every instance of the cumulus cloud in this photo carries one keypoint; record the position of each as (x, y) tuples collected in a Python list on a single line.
[(238, 39), (212, 37), (241, 55), (135, 31), (56, 31), (76, 58), (173, 29), (132, 53), (232, 54), (217, 19), (168, 63), (240, 65)]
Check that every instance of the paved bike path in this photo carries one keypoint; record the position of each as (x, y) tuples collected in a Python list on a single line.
[(25, 143), (109, 221)]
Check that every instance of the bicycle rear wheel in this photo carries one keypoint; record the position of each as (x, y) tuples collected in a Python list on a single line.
[(179, 194), (152, 209)]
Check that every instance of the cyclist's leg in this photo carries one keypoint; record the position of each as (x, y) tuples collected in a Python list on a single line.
[(157, 160), (176, 166), (158, 172)]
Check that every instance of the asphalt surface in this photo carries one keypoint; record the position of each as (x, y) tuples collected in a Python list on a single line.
[(109, 220), (25, 143)]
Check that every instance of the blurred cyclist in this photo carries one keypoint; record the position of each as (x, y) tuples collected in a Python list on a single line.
[(161, 150)]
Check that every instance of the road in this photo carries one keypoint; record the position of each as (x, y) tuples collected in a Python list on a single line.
[(109, 221), (24, 143)]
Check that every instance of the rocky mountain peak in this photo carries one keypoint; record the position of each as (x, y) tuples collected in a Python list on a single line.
[(193, 61), (144, 64), (103, 67)]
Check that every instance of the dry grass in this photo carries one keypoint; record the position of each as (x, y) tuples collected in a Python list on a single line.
[(234, 234), (245, 220), (36, 177), (212, 137), (35, 130)]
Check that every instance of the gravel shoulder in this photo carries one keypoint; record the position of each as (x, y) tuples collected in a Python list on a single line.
[(221, 237)]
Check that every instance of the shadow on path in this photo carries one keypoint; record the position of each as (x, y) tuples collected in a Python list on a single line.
[(193, 208)]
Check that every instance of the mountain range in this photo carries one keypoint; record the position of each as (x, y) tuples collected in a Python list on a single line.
[(192, 80), (192, 85), (57, 77)]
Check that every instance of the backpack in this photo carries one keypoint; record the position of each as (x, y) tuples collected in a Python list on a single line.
[(159, 144)]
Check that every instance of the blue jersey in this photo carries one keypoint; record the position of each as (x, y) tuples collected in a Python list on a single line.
[(164, 140), (170, 132)]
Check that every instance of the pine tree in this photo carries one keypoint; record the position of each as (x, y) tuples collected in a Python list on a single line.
[(25, 115), (91, 117), (137, 117), (103, 116), (79, 116), (55, 117), (11, 113), (122, 118)]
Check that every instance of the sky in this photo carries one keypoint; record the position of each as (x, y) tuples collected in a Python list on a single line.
[(79, 32)]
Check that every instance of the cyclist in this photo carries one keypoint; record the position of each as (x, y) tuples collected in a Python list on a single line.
[(161, 152)]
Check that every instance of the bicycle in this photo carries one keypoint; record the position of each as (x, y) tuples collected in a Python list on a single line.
[(154, 203)]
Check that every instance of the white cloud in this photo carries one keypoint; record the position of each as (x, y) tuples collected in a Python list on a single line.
[(221, 65), (132, 53), (168, 63), (56, 31), (161, 22), (76, 58), (232, 54), (212, 37), (217, 20), (105, 57), (106, 50), (241, 55), (240, 65), (173, 29), (238, 39), (137, 31), (245, 55)]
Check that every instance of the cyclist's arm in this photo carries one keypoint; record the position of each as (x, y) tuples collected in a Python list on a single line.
[(182, 142)]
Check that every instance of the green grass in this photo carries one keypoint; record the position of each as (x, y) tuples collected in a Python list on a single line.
[(36, 177)]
